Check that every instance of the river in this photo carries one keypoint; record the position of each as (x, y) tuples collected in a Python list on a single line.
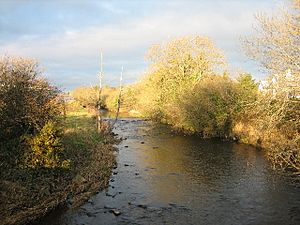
[(167, 178)]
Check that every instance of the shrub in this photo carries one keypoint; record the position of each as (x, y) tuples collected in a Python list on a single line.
[(209, 108), (45, 148), (27, 101)]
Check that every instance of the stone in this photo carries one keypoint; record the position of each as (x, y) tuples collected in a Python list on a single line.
[(142, 206), (115, 212)]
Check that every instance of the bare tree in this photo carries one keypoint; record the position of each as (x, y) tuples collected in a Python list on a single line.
[(119, 96), (99, 103), (276, 46)]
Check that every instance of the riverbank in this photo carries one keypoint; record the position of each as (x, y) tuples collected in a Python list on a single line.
[(27, 194), (281, 144)]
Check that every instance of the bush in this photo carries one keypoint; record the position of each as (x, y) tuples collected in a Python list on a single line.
[(27, 101), (210, 107), (45, 148)]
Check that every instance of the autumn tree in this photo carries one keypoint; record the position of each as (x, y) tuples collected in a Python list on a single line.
[(87, 96), (276, 46), (175, 68)]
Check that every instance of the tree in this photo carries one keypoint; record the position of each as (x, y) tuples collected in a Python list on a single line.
[(87, 96), (248, 90), (184, 61), (276, 46), (177, 67), (27, 101)]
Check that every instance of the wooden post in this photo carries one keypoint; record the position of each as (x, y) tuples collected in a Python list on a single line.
[(99, 117), (119, 97)]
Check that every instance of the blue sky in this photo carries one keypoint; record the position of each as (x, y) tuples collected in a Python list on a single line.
[(66, 37)]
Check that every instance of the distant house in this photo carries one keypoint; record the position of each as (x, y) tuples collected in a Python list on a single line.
[(277, 83), (67, 97)]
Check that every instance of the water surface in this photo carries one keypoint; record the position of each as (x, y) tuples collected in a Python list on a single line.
[(167, 178)]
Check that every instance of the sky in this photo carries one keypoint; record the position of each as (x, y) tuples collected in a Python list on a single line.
[(67, 36)]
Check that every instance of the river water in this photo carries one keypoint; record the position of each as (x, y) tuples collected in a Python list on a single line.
[(167, 178)]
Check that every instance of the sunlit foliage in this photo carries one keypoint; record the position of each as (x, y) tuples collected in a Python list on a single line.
[(27, 101), (45, 148), (88, 97), (210, 107), (30, 109), (276, 115), (176, 67)]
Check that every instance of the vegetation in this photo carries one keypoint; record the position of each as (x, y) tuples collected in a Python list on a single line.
[(45, 148), (27, 101), (51, 151), (88, 96), (276, 115), (46, 157), (208, 105), (188, 87), (28, 104), (176, 68)]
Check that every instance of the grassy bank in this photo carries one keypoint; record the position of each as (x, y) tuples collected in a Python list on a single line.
[(29, 193)]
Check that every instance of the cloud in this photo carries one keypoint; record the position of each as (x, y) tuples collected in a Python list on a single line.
[(124, 42)]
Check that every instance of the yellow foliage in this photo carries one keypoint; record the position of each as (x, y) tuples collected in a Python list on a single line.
[(45, 148)]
